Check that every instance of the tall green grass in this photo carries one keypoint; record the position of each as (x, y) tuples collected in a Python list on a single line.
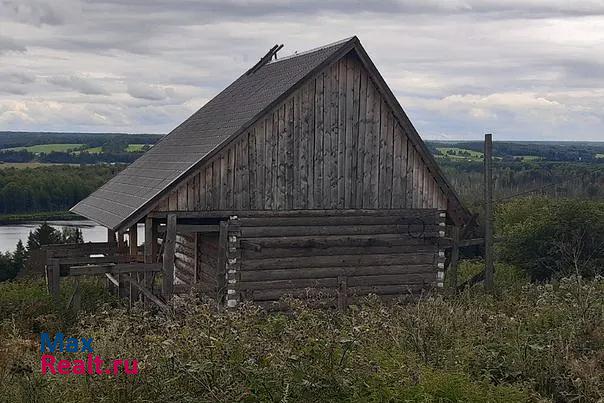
[(527, 342)]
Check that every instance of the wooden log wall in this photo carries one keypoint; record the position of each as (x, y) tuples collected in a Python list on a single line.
[(333, 144), (207, 264), (184, 259), (347, 256)]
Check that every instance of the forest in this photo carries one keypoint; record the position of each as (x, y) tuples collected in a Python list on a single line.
[(49, 188)]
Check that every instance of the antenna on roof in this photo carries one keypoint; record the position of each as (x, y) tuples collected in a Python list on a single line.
[(265, 59)]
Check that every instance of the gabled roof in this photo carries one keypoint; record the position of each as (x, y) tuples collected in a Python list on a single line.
[(227, 114), (126, 198)]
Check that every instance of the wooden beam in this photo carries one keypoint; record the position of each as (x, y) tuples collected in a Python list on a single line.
[(91, 270), (112, 279), (293, 213), (188, 228), (168, 258), (148, 294), (488, 195)]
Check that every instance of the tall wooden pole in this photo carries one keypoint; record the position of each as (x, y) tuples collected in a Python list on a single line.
[(488, 211)]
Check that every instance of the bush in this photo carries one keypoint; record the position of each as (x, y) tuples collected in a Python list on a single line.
[(552, 237)]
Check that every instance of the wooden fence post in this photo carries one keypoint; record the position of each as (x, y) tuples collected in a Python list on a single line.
[(488, 196), (168, 260), (233, 255)]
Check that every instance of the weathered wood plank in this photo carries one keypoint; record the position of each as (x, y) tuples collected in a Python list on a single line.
[(335, 271), (337, 261), (319, 135), (248, 251), (296, 150), (342, 94), (283, 140), (362, 130), (403, 229), (356, 86), (260, 161), (268, 164)]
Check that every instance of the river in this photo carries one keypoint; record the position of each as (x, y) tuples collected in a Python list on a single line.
[(92, 232)]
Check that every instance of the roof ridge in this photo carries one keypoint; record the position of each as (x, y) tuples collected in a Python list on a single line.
[(329, 45)]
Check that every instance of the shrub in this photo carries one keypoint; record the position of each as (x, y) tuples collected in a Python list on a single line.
[(552, 237)]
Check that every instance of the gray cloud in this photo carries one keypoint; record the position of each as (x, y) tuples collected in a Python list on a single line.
[(149, 92), (79, 84), (519, 68)]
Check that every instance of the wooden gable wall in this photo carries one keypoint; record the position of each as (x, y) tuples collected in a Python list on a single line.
[(333, 144)]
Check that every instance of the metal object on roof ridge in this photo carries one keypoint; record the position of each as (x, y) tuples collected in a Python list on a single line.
[(265, 59), (296, 54)]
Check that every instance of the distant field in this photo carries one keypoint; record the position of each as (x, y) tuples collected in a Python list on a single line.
[(47, 148), (132, 148), (94, 150), (599, 155), (460, 153), (529, 157), (23, 165)]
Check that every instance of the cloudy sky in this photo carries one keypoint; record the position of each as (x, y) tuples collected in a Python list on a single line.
[(522, 69)]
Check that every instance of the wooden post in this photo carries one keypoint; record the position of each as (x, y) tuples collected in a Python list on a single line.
[(133, 243), (168, 261), (488, 211), (452, 271), (150, 252), (121, 250), (111, 239), (55, 275), (110, 236)]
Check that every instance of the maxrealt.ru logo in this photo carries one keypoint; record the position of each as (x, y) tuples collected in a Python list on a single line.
[(90, 366)]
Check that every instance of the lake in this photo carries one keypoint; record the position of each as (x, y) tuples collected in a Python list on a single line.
[(92, 232)]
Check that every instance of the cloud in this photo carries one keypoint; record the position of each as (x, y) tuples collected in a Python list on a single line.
[(39, 12), (519, 68), (149, 92), (10, 44), (80, 84)]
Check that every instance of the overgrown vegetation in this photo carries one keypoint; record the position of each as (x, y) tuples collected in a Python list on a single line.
[(525, 343), (552, 237)]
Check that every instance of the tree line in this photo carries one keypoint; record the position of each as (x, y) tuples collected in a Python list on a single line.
[(50, 188), (11, 263)]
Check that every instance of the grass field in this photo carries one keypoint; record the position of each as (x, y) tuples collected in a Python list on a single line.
[(94, 150), (47, 148), (132, 148), (529, 157), (455, 153)]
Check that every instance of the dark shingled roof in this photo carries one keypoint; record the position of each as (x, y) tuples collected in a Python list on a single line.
[(227, 114)]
